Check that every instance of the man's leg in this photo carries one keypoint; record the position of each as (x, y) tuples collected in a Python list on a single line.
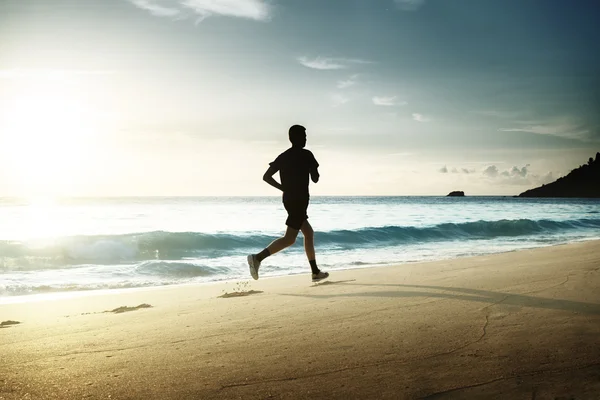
[(286, 241), (309, 248), (309, 240), (296, 210), (276, 245)]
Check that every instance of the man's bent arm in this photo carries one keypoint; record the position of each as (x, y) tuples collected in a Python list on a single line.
[(268, 177)]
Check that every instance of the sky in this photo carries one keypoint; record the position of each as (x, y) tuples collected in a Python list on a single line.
[(195, 97)]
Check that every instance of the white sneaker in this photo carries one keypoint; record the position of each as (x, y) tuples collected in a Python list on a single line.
[(253, 263), (319, 276)]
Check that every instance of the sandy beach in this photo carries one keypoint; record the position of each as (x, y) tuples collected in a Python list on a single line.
[(518, 325)]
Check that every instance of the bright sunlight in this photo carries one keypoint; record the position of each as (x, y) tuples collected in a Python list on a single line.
[(46, 137)]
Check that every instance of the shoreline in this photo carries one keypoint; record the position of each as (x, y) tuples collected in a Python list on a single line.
[(518, 324), (70, 294)]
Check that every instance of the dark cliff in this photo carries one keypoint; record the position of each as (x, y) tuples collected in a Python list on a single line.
[(581, 182)]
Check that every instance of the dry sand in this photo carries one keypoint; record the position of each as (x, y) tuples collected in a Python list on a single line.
[(520, 325)]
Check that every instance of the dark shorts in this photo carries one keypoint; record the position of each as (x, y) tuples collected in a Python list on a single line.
[(296, 209)]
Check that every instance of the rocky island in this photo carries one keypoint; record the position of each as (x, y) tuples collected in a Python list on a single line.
[(580, 182)]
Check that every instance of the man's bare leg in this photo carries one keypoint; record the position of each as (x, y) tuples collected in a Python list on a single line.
[(283, 242), (309, 248), (309, 240), (277, 245)]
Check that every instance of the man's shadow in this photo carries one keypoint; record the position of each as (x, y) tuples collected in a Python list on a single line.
[(482, 296)]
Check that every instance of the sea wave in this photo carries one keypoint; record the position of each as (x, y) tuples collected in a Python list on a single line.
[(475, 230), (98, 277), (33, 288), (161, 246)]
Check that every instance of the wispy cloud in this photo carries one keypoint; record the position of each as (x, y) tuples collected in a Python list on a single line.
[(326, 63), (346, 83), (497, 114), (420, 117), (320, 63), (257, 10), (387, 101), (572, 131), (409, 5), (339, 99), (252, 9), (157, 9), (541, 129)]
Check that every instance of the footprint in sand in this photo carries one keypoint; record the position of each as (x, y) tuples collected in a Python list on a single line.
[(239, 294), (8, 324), (331, 282), (123, 309)]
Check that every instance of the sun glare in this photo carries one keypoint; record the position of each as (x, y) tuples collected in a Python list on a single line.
[(46, 138)]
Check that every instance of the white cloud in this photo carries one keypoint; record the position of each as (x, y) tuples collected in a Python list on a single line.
[(325, 63), (455, 170), (351, 81), (339, 99), (420, 118), (541, 129), (320, 63), (409, 5), (257, 10), (519, 171), (517, 176), (563, 128), (156, 9), (355, 61), (345, 84), (387, 101), (496, 114), (491, 171)]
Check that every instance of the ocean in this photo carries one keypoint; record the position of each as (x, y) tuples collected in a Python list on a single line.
[(83, 244)]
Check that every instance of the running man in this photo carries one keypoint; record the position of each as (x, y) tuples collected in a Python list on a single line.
[(295, 165)]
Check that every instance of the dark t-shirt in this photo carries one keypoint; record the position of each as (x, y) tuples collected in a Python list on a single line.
[(294, 166)]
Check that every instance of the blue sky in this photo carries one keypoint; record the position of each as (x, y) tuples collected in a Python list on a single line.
[(194, 97)]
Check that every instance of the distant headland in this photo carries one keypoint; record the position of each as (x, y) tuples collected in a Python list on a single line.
[(456, 193), (580, 182)]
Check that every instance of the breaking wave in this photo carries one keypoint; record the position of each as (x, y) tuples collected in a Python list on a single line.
[(164, 246)]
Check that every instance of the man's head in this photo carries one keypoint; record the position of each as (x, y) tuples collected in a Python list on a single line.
[(297, 134)]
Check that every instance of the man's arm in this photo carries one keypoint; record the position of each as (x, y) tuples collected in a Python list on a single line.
[(314, 174), (268, 177), (314, 168)]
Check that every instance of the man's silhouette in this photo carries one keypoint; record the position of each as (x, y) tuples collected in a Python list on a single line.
[(295, 165)]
